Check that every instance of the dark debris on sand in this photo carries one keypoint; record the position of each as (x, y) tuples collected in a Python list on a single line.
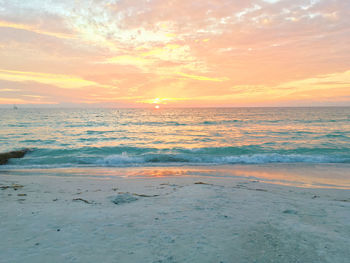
[(13, 186)]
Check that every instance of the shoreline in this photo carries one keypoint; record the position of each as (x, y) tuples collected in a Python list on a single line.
[(321, 175), (169, 219)]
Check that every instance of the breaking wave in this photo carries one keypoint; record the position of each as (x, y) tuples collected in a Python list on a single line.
[(134, 156)]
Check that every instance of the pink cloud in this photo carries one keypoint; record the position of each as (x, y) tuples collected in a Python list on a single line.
[(146, 48)]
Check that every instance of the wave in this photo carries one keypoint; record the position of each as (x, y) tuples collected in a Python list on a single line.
[(153, 123), (218, 122), (121, 160), (135, 156)]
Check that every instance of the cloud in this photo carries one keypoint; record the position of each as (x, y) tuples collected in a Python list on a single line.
[(329, 87), (62, 81), (206, 50), (128, 60), (195, 77), (35, 30)]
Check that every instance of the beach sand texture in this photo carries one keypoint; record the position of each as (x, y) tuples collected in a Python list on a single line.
[(169, 219)]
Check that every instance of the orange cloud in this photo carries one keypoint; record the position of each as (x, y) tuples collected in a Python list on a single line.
[(195, 77), (182, 52), (59, 80), (35, 30)]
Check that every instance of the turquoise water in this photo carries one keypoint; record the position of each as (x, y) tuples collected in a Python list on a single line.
[(147, 137)]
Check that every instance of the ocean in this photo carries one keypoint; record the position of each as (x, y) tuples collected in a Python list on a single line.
[(175, 137)]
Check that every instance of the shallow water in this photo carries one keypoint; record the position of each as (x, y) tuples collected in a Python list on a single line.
[(176, 137), (336, 176)]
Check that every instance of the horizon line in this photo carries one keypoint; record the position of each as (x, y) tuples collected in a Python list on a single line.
[(163, 107)]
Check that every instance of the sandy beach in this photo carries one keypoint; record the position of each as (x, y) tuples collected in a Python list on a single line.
[(152, 131), (168, 217)]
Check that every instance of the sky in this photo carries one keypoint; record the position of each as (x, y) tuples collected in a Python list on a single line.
[(175, 53)]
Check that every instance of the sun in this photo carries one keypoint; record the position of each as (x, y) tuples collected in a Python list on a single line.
[(157, 107)]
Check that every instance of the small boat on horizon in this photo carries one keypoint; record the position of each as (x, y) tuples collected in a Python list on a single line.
[(15, 107)]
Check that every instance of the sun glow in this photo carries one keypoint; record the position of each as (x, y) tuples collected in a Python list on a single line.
[(161, 100), (156, 100), (127, 54)]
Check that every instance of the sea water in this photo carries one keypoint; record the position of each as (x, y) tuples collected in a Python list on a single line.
[(175, 137)]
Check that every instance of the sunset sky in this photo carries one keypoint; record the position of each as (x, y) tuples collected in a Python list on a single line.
[(176, 53)]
